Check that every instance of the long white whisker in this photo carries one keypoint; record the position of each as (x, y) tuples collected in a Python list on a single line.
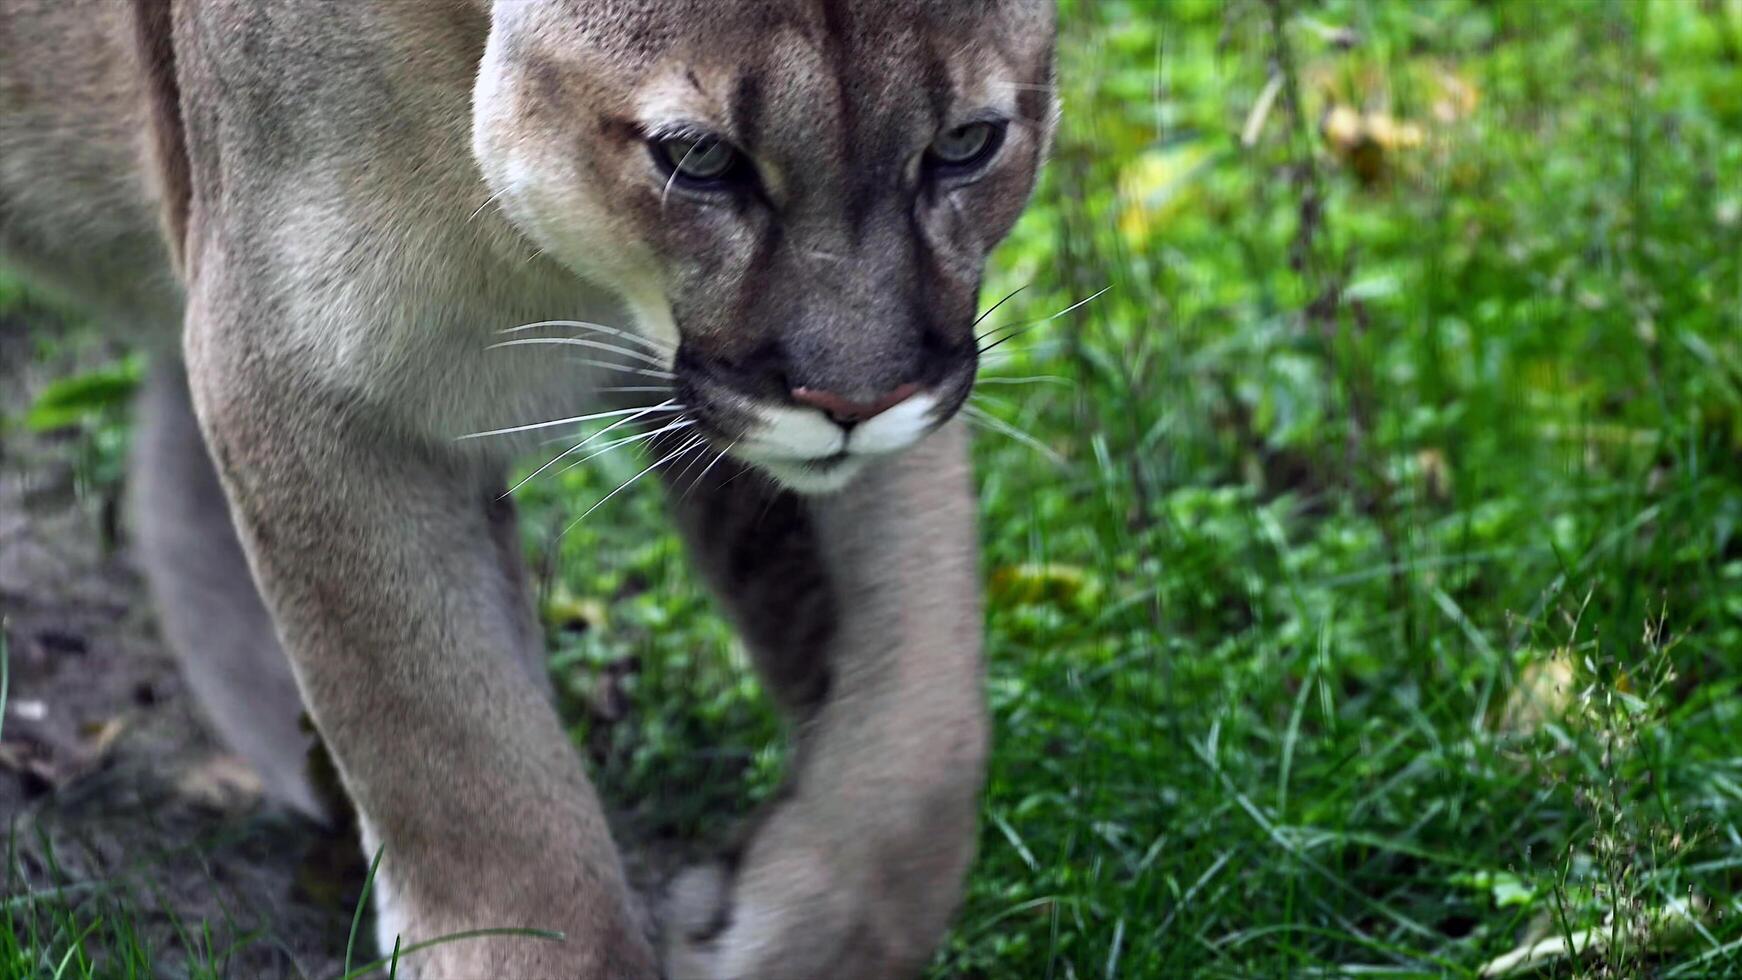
[(487, 202), (700, 443), (601, 502), (998, 425), (1097, 294), (1030, 324), (689, 448), (668, 406), (703, 475), (577, 446), (994, 307), (629, 440), (666, 190), (626, 368), (626, 388), (641, 356), (589, 325)]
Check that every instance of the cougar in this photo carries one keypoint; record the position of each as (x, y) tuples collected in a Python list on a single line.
[(775, 213)]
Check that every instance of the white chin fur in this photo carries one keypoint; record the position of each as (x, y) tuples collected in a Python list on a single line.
[(791, 434), (896, 429), (784, 442)]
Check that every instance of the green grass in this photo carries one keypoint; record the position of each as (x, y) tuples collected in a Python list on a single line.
[(1384, 614)]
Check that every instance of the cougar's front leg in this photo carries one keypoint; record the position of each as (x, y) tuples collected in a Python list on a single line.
[(376, 557), (862, 609)]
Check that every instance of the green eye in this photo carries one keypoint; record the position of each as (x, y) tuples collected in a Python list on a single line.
[(704, 159), (966, 147)]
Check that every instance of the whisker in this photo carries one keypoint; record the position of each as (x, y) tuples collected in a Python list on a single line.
[(700, 442), (641, 356), (1031, 324), (668, 406), (994, 307), (560, 456), (995, 424), (626, 368), (666, 190), (1054, 316), (707, 469), (599, 327), (487, 202), (601, 502), (626, 388), (1010, 336), (628, 441)]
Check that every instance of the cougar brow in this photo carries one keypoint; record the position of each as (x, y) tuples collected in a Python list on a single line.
[(744, 109)]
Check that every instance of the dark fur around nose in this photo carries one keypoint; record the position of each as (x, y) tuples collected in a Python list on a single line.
[(851, 371)]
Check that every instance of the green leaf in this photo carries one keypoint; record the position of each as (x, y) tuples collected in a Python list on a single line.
[(70, 401), (1505, 888)]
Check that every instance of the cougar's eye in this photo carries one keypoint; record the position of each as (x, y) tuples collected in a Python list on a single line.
[(702, 161), (965, 148)]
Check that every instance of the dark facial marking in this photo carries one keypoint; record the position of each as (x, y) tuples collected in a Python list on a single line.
[(838, 49), (754, 282), (547, 83), (1034, 98), (745, 110), (935, 77)]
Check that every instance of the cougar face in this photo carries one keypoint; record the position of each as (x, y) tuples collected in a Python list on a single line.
[(796, 197)]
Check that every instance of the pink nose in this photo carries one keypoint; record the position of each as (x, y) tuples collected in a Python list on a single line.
[(847, 411)]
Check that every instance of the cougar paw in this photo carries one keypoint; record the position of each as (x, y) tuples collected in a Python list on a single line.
[(784, 917), (697, 903)]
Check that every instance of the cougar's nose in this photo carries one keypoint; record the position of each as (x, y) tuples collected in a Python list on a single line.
[(845, 411)]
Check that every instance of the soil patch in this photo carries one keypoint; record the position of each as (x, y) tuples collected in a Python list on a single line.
[(111, 788)]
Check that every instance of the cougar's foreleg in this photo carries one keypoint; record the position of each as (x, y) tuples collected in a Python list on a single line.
[(381, 560), (862, 609)]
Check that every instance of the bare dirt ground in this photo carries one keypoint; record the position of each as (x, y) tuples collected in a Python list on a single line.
[(109, 785)]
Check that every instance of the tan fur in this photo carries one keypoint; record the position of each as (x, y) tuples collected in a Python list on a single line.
[(356, 199)]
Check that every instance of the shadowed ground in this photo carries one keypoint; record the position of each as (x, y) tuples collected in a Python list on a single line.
[(108, 782)]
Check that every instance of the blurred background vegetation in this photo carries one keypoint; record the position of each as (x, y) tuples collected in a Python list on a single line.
[(1366, 582), (1365, 563)]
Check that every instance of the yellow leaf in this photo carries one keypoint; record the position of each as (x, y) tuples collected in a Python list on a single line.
[(1156, 187), (567, 612), (1029, 585), (1544, 693), (1457, 97)]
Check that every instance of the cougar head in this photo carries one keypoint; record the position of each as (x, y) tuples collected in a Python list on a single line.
[(797, 196)]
